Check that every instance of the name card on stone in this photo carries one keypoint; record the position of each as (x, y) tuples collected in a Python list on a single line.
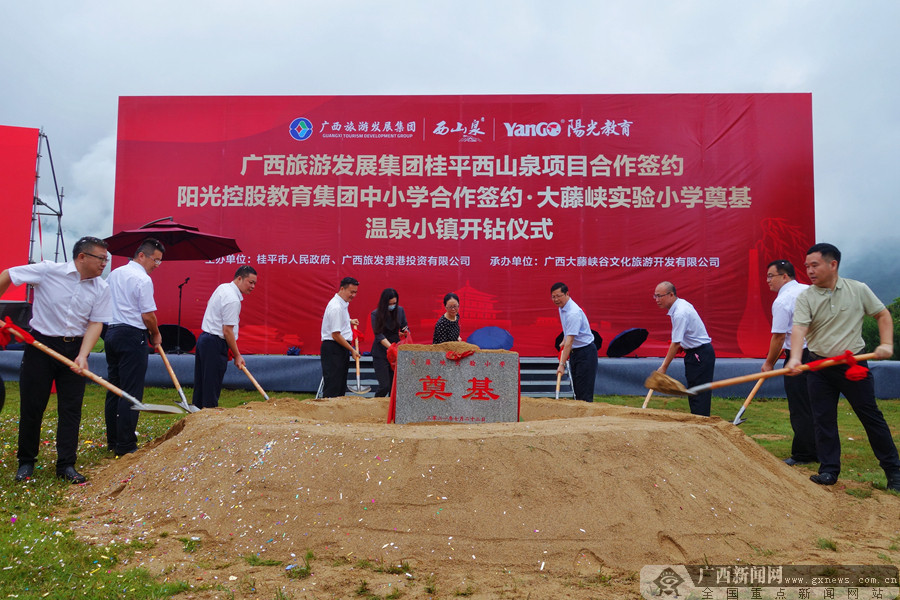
[(432, 387)]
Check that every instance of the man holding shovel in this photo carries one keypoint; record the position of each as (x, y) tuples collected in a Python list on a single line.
[(780, 276), (220, 334), (71, 303), (578, 345), (133, 317), (829, 316), (337, 333), (688, 334)]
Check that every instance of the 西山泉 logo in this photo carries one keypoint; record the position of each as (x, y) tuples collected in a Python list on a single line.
[(301, 129)]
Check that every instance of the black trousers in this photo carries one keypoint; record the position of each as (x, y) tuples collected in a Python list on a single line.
[(126, 362), (583, 366), (384, 374), (210, 362), (335, 364), (36, 377), (699, 368), (825, 386), (803, 448)]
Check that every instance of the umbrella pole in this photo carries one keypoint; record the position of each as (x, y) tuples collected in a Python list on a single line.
[(178, 331)]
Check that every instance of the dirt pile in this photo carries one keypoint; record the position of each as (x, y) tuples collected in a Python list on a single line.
[(573, 494)]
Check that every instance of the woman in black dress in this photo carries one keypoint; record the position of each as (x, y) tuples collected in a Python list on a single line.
[(447, 327), (388, 324)]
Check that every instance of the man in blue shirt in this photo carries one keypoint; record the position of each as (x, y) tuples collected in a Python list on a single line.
[(578, 343)]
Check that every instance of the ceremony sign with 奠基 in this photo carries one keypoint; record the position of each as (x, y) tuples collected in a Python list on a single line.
[(455, 382)]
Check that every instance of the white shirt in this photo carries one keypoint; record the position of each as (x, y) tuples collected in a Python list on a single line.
[(131, 290), (64, 303), (687, 328), (337, 318), (783, 309), (223, 308), (575, 323)]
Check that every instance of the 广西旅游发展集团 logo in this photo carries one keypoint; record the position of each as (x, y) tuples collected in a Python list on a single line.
[(301, 129)]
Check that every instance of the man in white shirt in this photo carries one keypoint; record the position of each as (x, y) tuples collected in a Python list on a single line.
[(578, 345), (337, 335), (220, 334), (781, 277), (71, 303), (688, 334), (133, 317)]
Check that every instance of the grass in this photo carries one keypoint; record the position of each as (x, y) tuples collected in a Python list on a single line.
[(39, 554), (302, 571), (41, 558), (768, 422), (826, 544)]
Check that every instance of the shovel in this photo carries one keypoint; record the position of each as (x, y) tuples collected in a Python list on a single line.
[(136, 404), (359, 389), (255, 383), (647, 399), (819, 364), (737, 419), (558, 380), (183, 403)]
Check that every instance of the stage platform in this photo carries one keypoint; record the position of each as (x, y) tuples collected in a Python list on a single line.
[(615, 376)]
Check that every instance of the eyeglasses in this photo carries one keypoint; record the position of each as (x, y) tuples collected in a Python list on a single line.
[(773, 275), (658, 296), (103, 259), (157, 261)]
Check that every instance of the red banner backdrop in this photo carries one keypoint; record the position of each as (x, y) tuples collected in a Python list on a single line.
[(18, 158), (492, 197)]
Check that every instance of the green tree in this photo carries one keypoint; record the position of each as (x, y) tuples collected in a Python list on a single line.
[(870, 329)]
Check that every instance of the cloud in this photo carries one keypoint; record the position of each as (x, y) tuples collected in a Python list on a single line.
[(88, 211)]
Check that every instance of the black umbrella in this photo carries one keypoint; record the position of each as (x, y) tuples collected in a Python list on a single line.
[(182, 242), (627, 342), (598, 341)]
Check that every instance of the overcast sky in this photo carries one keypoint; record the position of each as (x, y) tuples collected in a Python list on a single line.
[(63, 66)]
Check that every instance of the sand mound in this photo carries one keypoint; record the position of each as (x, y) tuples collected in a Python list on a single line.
[(572, 489)]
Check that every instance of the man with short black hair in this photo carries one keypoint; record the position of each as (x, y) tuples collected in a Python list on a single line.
[(780, 276), (578, 345), (688, 334), (220, 334), (829, 316), (337, 335), (133, 317), (71, 303)]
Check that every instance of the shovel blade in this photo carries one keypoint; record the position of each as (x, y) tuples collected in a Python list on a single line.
[(187, 407), (359, 390), (158, 408)]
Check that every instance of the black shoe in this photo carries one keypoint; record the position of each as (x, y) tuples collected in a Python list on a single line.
[(71, 475), (791, 461), (893, 482), (132, 451), (25, 472), (823, 478)]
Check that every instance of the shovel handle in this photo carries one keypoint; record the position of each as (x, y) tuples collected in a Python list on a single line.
[(737, 418), (165, 359), (356, 346), (255, 383), (774, 373), (86, 373), (647, 399), (558, 381)]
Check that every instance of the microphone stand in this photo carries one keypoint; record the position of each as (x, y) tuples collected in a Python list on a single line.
[(178, 331)]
